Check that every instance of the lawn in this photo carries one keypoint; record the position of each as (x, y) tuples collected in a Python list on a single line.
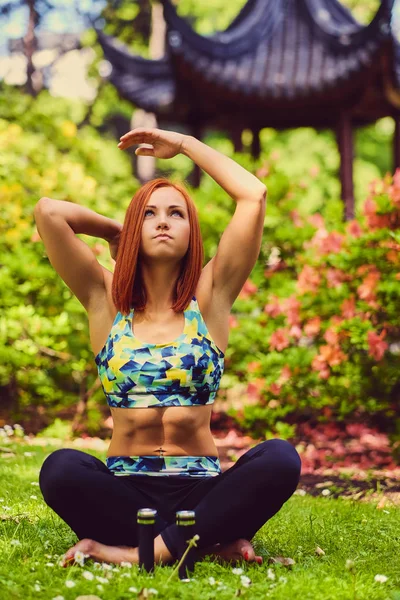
[(339, 546)]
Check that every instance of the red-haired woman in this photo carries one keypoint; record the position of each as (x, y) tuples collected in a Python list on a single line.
[(159, 329)]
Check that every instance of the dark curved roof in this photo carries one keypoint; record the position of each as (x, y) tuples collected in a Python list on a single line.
[(282, 47), (303, 55), (148, 83), (256, 21)]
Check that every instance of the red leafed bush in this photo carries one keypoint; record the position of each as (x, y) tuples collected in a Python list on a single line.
[(330, 340)]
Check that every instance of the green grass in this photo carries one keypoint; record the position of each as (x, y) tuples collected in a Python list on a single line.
[(345, 529)]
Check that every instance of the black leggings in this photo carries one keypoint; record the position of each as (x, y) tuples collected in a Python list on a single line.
[(98, 505)]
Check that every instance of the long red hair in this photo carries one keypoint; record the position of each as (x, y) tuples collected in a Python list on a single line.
[(127, 287)]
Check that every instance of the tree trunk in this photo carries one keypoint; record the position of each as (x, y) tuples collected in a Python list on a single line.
[(84, 396), (30, 45)]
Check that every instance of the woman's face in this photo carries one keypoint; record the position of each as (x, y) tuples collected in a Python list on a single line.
[(166, 212)]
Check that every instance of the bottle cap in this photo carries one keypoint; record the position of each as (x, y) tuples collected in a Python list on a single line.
[(146, 516), (185, 517)]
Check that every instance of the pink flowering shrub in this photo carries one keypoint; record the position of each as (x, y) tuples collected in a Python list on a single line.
[(331, 328)]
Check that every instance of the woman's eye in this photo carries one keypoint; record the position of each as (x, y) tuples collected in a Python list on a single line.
[(174, 211)]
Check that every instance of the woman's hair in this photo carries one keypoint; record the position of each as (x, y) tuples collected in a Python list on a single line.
[(128, 289)]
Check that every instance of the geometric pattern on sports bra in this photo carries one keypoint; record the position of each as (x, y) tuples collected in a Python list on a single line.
[(184, 372)]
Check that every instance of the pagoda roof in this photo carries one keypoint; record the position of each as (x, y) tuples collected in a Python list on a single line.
[(148, 83), (284, 63)]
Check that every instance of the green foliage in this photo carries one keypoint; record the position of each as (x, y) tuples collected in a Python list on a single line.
[(330, 344), (58, 429), (130, 22), (44, 330)]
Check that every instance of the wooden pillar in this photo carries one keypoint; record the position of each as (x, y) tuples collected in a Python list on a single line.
[(255, 144), (346, 148), (194, 177), (144, 167), (396, 143), (236, 136)]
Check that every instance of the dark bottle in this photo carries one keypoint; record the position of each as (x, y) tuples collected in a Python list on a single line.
[(146, 518), (186, 521)]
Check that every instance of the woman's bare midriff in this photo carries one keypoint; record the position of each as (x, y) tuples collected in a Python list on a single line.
[(177, 430)]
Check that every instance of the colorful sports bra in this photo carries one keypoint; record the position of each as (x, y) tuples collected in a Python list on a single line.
[(185, 372)]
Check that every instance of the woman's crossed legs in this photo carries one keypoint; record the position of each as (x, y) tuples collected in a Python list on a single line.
[(231, 506)]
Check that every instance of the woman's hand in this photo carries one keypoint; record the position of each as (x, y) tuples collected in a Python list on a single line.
[(164, 144)]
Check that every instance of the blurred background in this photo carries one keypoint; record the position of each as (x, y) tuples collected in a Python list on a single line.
[(314, 344)]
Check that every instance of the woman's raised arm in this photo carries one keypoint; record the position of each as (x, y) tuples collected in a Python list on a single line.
[(239, 183), (81, 219), (234, 179)]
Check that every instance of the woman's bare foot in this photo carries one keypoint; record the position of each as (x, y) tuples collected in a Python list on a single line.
[(236, 551), (101, 552)]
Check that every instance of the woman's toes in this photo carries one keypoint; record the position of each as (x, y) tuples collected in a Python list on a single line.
[(248, 553)]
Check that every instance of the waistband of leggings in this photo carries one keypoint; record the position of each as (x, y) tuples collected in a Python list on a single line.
[(187, 466)]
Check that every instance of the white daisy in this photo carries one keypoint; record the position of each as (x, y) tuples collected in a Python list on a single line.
[(79, 557), (270, 574), (88, 575)]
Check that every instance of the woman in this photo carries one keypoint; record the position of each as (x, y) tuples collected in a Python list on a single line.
[(163, 455)]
